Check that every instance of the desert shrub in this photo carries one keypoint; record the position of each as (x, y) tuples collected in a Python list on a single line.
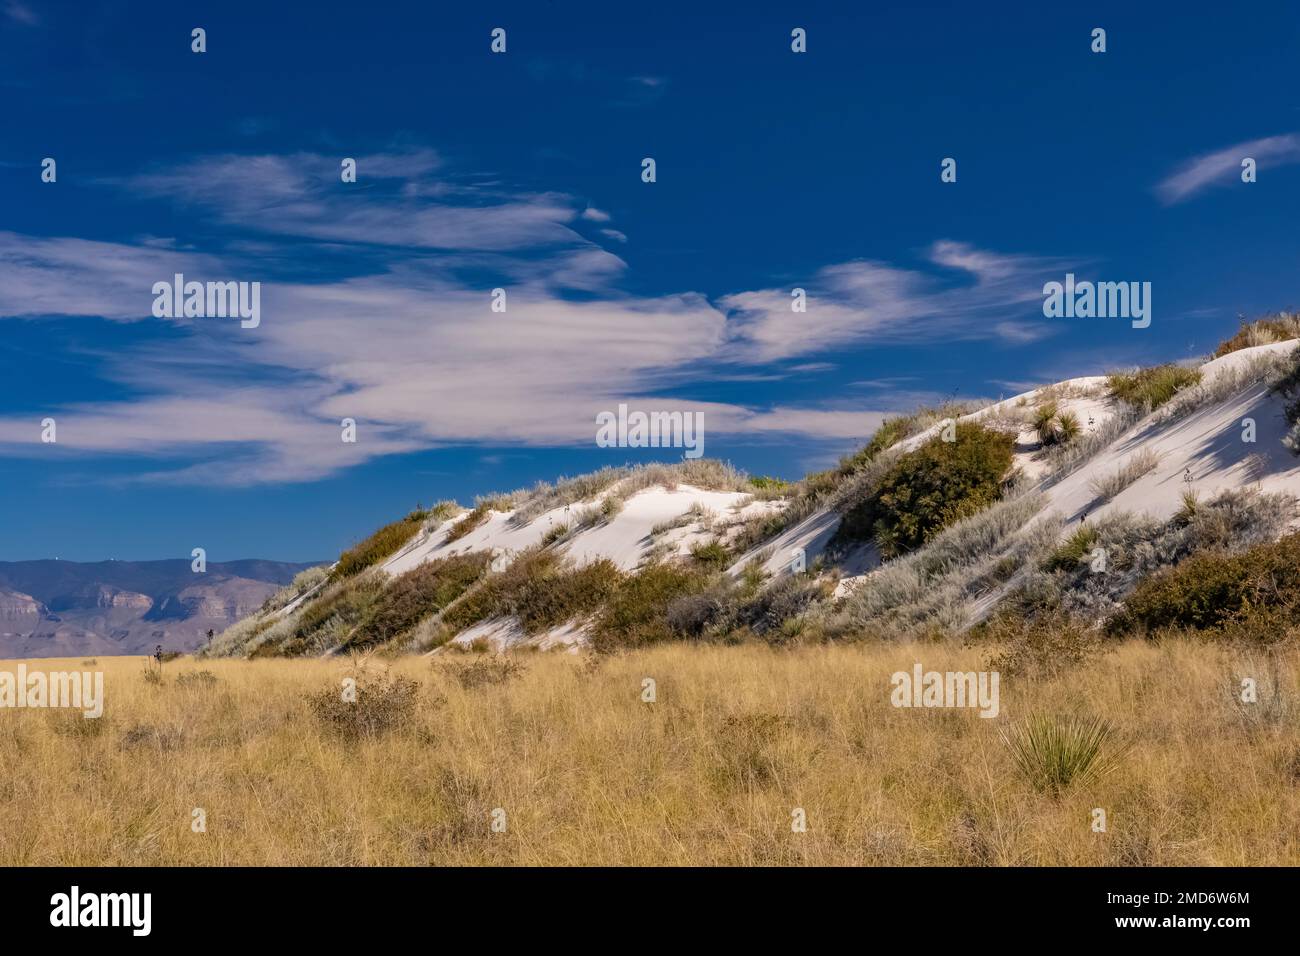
[(695, 615), (1055, 753), (380, 545), (540, 588), (1134, 548), (706, 473), (1040, 648), (1064, 457), (768, 483), (383, 702), (756, 529), (555, 533), (1151, 387), (1080, 542), (1265, 331), (768, 611), (1217, 591), (711, 553), (636, 614), (238, 636), (1043, 420), (468, 523), (1134, 467), (928, 489), (696, 512), (422, 591)]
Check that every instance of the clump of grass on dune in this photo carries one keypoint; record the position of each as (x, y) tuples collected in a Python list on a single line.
[(474, 519), (1266, 331), (1150, 388), (1138, 464), (708, 773), (380, 545)]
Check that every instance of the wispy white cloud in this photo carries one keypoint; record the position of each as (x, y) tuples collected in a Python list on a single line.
[(21, 13), (859, 301), (412, 350), (1224, 166)]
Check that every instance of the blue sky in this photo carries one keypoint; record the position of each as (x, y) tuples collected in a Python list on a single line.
[(522, 171)]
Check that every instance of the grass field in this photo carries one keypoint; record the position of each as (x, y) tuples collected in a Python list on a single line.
[(711, 772)]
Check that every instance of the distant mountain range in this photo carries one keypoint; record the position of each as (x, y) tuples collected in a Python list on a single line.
[(55, 608)]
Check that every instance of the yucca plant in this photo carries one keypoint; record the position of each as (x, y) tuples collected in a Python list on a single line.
[(1191, 505), (1067, 428), (1044, 421), (1054, 753)]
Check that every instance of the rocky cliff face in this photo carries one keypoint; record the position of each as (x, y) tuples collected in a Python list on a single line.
[(67, 609), (16, 606)]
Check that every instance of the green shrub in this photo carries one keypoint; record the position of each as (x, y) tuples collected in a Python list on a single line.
[(380, 545), (1073, 549), (928, 489), (1039, 648), (1152, 387), (1219, 591), (636, 614), (412, 596), (380, 703), (711, 554)]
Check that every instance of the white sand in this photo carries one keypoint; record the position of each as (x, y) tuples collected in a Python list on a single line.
[(1206, 444)]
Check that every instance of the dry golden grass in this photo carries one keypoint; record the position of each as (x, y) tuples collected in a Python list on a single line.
[(587, 773)]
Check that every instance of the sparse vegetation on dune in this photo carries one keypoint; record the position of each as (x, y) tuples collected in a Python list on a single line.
[(380, 545), (1149, 388), (540, 589), (303, 582), (1134, 467), (1266, 331), (736, 739), (473, 519)]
